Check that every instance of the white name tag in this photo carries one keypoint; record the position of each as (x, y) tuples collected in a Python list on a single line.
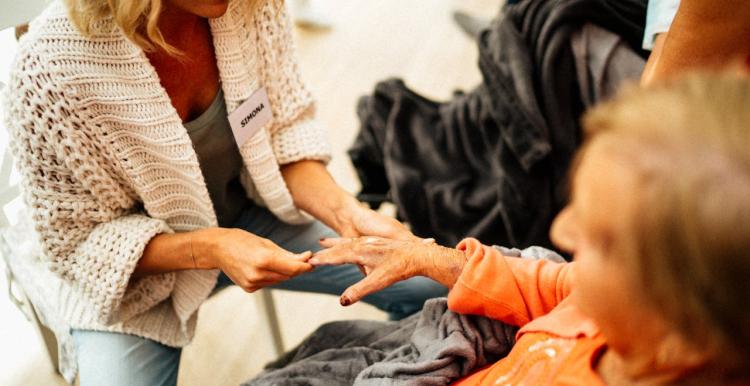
[(251, 116)]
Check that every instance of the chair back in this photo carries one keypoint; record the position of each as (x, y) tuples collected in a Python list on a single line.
[(9, 190)]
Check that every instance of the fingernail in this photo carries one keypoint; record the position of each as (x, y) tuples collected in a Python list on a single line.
[(345, 301), (313, 261)]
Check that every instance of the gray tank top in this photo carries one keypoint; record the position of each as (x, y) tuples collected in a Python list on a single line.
[(220, 160)]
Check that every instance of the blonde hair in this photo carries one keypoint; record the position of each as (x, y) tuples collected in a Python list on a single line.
[(138, 19), (688, 142)]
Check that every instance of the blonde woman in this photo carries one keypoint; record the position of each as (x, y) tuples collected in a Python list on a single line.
[(164, 144)]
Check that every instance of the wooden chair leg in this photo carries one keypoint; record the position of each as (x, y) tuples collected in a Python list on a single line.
[(269, 319)]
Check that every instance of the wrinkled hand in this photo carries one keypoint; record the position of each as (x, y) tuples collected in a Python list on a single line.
[(253, 262), (387, 261)]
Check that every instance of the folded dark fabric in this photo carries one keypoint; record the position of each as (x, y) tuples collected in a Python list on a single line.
[(434, 347), (491, 163)]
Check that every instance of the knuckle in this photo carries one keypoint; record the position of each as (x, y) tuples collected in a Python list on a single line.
[(254, 277), (250, 289), (247, 285), (262, 261)]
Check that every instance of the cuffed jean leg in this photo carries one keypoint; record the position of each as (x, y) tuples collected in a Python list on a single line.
[(108, 358)]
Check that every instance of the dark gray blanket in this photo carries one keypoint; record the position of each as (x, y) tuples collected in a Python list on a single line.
[(434, 347), (492, 163)]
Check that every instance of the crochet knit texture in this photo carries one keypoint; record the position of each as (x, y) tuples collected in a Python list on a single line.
[(107, 165)]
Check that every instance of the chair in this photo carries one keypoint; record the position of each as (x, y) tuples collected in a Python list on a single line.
[(33, 301), (8, 194)]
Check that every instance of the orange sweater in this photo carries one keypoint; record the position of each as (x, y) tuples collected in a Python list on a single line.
[(556, 344)]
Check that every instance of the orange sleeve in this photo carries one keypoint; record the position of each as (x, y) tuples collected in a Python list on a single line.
[(509, 289)]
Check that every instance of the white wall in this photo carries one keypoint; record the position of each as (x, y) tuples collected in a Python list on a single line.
[(7, 52), (14, 12)]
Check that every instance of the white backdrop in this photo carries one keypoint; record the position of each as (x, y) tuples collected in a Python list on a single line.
[(14, 12)]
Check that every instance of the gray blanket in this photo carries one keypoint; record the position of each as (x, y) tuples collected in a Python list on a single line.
[(434, 347)]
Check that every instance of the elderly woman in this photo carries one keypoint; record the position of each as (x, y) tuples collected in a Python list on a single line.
[(164, 144), (658, 227)]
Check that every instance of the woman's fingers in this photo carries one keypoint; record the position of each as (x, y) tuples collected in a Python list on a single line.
[(303, 257), (371, 283), (261, 284), (256, 279), (270, 277), (286, 263)]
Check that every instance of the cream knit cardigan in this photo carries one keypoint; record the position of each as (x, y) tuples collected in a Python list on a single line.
[(107, 164)]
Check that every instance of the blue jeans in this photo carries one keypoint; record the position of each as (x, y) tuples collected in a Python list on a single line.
[(106, 358)]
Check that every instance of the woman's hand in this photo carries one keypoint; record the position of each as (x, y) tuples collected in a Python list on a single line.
[(387, 261), (355, 219), (251, 262), (314, 191)]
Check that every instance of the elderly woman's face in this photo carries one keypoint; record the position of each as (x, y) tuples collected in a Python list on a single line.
[(203, 8), (606, 288)]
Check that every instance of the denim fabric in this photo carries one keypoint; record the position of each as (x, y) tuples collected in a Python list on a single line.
[(117, 359), (106, 358)]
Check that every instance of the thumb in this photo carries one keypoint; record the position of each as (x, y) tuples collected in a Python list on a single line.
[(372, 283), (303, 257)]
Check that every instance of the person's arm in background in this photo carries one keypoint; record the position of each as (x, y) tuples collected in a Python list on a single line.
[(704, 34), (659, 17)]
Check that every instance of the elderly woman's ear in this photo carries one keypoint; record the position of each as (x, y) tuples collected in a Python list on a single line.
[(387, 261)]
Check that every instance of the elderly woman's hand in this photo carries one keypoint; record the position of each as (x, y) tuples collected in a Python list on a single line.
[(387, 261)]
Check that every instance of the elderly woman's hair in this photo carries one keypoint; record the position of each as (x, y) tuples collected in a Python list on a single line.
[(138, 19), (688, 142)]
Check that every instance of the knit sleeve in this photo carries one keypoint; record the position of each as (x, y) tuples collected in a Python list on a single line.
[(295, 134), (91, 234)]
